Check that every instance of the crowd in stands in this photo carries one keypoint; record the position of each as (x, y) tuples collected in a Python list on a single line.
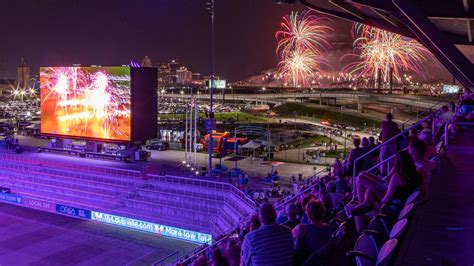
[(308, 230)]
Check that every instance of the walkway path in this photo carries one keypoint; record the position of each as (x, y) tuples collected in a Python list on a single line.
[(443, 229)]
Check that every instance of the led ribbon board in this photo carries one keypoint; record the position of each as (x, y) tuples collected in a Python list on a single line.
[(151, 227)]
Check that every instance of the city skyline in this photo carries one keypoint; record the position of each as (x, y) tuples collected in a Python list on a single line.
[(115, 34)]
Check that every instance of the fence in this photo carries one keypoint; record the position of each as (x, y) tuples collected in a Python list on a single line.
[(78, 167)]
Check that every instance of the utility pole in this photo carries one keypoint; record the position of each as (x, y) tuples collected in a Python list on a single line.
[(210, 120)]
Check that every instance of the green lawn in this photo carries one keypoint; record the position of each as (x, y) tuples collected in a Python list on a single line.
[(307, 142), (312, 113)]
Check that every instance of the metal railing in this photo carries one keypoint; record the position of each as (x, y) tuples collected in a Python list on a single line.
[(278, 205), (378, 147), (80, 167), (162, 261), (207, 184), (283, 202), (434, 128)]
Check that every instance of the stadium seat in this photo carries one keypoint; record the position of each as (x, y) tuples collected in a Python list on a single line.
[(393, 208), (383, 257), (386, 252), (370, 244), (407, 211), (382, 224)]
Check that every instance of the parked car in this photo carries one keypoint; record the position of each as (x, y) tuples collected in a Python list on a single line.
[(159, 146)]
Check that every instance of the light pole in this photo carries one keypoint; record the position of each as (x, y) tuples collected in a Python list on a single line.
[(209, 125), (295, 120)]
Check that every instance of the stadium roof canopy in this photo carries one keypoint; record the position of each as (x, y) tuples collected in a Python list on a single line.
[(440, 25)]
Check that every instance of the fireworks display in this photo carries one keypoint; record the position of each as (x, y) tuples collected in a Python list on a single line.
[(301, 46), (378, 51), (92, 102)]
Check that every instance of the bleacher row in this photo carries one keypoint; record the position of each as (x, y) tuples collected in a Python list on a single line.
[(194, 206)]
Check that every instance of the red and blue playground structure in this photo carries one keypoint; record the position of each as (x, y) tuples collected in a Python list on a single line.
[(224, 142)]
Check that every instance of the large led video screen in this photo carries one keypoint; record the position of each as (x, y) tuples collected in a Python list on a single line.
[(86, 102)]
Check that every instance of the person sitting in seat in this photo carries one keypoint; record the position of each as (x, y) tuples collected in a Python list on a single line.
[(311, 237), (292, 216), (401, 181), (424, 166), (271, 244), (336, 198), (307, 199)]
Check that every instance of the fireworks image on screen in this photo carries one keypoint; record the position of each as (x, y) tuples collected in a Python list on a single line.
[(302, 44), (89, 102)]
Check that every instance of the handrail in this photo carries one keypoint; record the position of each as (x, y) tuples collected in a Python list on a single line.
[(279, 203), (227, 234), (354, 172), (384, 161), (209, 246), (431, 107), (165, 258)]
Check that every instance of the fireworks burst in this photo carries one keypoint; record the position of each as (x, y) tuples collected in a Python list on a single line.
[(379, 50), (301, 45)]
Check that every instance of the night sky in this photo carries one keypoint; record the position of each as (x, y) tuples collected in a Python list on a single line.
[(113, 32)]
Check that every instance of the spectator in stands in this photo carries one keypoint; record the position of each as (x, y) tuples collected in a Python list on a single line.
[(341, 184), (281, 217), (254, 223), (426, 136), (201, 260), (372, 143), (423, 165), (367, 161), (307, 199), (405, 140), (311, 237), (444, 116), (425, 132), (337, 166), (271, 244), (355, 153), (292, 214), (232, 252), (389, 130), (218, 259), (402, 181), (336, 198)]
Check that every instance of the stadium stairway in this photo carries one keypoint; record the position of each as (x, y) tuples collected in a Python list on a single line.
[(442, 232)]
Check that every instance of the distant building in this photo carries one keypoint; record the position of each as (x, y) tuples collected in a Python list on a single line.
[(146, 62), (6, 86), (196, 76), (183, 75), (174, 65), (23, 74), (164, 74)]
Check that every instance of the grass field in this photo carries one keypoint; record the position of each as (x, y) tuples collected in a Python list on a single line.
[(32, 237), (307, 142), (312, 113)]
